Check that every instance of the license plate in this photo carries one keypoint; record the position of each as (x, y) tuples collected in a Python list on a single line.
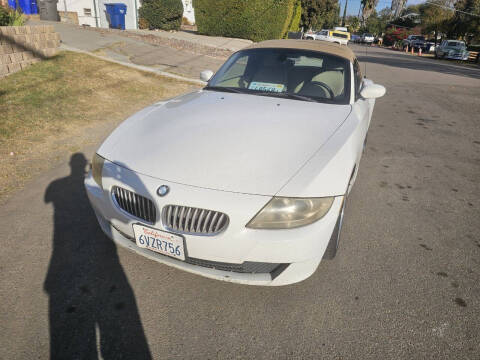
[(159, 241)]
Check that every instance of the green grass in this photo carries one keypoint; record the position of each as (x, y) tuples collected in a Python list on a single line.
[(73, 89), (46, 109)]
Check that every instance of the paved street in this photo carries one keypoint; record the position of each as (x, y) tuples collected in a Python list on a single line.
[(404, 285)]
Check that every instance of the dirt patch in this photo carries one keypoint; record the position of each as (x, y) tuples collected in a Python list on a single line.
[(58, 106)]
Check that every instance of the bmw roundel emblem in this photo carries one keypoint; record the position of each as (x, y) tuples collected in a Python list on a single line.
[(163, 190)]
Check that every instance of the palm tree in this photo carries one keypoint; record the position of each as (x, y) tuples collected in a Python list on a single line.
[(368, 6)]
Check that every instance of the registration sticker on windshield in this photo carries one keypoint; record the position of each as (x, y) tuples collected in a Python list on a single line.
[(263, 86)]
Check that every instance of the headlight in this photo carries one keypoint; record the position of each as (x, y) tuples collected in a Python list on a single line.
[(97, 168), (288, 213)]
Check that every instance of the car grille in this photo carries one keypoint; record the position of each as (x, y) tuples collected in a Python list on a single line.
[(195, 221), (246, 267), (135, 204)]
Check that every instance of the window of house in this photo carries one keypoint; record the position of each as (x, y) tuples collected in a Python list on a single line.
[(87, 12)]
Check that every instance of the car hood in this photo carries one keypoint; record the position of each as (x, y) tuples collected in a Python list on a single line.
[(225, 141)]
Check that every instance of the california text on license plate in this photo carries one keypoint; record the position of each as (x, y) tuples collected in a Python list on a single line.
[(159, 241)]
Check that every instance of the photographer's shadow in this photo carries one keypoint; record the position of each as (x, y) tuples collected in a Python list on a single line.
[(91, 303)]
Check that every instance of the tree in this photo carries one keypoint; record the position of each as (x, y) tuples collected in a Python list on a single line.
[(463, 24), (368, 7), (320, 14), (376, 23), (397, 7), (435, 17), (353, 23)]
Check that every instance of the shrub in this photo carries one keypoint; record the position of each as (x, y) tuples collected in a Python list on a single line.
[(9, 17), (296, 18), (4, 17), (161, 14), (395, 36), (248, 19)]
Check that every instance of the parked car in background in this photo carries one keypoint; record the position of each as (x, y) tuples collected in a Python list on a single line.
[(340, 37), (247, 179), (319, 35), (452, 49), (335, 36), (368, 38), (430, 45), (414, 41), (356, 39)]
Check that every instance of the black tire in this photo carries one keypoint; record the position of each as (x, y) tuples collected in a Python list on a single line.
[(332, 246)]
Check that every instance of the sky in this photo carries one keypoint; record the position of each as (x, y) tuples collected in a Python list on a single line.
[(354, 5)]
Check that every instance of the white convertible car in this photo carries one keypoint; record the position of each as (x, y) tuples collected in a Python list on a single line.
[(246, 179)]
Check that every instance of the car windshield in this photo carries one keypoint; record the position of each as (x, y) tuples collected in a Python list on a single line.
[(418, 38), (290, 73)]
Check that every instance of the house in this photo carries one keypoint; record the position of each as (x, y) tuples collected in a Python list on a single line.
[(93, 12)]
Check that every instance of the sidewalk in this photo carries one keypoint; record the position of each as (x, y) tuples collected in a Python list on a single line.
[(180, 53), (230, 44)]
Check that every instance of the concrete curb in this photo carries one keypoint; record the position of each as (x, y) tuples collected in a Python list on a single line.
[(134, 66)]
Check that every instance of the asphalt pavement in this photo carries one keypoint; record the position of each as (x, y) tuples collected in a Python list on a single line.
[(405, 283)]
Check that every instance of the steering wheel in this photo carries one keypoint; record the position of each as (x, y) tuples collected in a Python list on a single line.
[(326, 87)]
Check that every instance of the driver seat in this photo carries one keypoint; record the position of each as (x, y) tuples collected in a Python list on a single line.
[(333, 76)]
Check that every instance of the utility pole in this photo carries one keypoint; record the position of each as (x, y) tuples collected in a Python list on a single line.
[(344, 13)]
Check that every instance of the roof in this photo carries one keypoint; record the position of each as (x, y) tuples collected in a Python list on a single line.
[(314, 45)]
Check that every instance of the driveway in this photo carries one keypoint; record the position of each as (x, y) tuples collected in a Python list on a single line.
[(405, 283), (130, 49)]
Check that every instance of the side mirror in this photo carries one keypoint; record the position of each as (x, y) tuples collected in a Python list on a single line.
[(372, 91), (206, 75)]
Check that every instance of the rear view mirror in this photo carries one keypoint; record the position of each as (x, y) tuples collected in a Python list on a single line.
[(372, 91), (206, 75)]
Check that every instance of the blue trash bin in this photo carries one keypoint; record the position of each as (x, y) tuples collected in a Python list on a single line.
[(33, 6), (27, 7), (12, 4), (116, 13)]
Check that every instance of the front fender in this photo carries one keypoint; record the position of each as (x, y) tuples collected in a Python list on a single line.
[(329, 170)]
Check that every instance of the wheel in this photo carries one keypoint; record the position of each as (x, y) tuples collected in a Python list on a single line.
[(335, 238)]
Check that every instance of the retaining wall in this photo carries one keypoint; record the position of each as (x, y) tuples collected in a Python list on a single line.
[(21, 46)]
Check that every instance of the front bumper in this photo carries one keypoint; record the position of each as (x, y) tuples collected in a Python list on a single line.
[(302, 248), (456, 56)]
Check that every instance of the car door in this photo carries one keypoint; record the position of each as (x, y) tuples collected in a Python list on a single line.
[(441, 48)]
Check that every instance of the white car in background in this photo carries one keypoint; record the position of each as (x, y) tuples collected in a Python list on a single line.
[(334, 36), (319, 35), (368, 38), (245, 180)]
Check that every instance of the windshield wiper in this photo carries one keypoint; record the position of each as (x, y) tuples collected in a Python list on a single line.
[(287, 95), (223, 88)]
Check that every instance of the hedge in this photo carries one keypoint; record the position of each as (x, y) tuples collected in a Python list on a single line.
[(161, 14), (256, 20)]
